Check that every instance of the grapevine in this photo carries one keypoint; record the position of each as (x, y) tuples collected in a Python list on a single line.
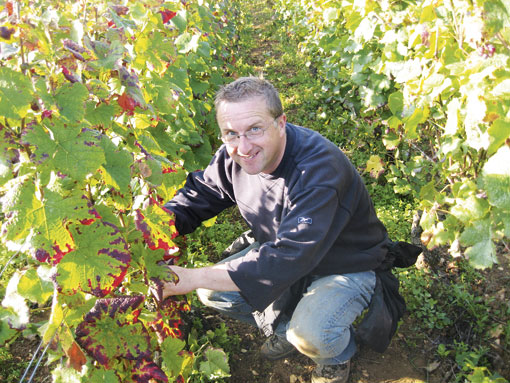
[(433, 77), (104, 109)]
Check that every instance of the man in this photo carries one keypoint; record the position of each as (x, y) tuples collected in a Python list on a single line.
[(308, 272)]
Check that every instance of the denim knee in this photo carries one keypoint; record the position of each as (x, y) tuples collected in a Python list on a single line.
[(319, 343), (321, 325), (207, 297), (230, 303)]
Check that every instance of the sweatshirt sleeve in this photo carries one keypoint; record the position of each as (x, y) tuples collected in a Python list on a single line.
[(204, 195), (305, 235)]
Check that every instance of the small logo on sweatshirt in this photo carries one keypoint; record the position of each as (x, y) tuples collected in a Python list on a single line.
[(306, 220)]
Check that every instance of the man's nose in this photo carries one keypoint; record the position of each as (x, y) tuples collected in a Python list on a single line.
[(244, 145)]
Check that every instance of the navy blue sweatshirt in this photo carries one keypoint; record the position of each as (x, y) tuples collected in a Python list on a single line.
[(312, 215)]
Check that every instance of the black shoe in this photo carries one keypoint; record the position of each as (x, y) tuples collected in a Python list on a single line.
[(276, 347), (337, 373)]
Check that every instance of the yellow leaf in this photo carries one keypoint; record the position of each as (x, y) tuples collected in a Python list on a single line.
[(375, 166)]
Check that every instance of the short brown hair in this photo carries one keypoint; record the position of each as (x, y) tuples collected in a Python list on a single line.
[(247, 87)]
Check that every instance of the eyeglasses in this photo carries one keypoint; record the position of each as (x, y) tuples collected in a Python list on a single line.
[(233, 138)]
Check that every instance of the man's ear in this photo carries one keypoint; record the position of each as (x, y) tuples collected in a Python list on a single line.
[(282, 120)]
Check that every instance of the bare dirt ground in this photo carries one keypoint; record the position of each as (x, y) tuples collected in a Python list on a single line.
[(398, 364)]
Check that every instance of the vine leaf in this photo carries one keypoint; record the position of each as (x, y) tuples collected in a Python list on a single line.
[(375, 166), (481, 251), (116, 170), (173, 177), (100, 375), (496, 178), (33, 287), (98, 263), (168, 318), (173, 362), (15, 95), (17, 314), (70, 100), (158, 227), (216, 365), (6, 331), (68, 149), (146, 371), (37, 219), (111, 330), (76, 357)]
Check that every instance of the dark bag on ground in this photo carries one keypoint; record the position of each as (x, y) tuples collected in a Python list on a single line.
[(387, 306)]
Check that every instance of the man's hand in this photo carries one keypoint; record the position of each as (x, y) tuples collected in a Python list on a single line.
[(184, 282), (212, 278)]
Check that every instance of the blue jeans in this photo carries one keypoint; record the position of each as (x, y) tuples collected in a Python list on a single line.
[(321, 325)]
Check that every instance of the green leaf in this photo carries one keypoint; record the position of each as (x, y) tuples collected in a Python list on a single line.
[(470, 209), (155, 176), (216, 366), (100, 115), (15, 94), (172, 361), (63, 374), (187, 42), (496, 15), (165, 140), (330, 15), (482, 254), (496, 178), (70, 100), (180, 21), (204, 49), (17, 316), (40, 219), (411, 123), (391, 140), (396, 103), (481, 251), (116, 171), (499, 133), (6, 332), (98, 262), (428, 14), (33, 287), (179, 77), (107, 54), (502, 90), (199, 87), (69, 149), (100, 375)]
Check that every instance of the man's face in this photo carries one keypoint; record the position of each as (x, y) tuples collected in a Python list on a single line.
[(256, 154)]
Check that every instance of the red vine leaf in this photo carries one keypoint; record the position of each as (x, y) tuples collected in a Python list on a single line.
[(158, 227), (111, 330), (146, 371), (6, 33), (168, 322), (99, 262), (127, 103), (167, 15), (69, 76), (76, 357)]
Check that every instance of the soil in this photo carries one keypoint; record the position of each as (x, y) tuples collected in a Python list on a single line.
[(399, 363)]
